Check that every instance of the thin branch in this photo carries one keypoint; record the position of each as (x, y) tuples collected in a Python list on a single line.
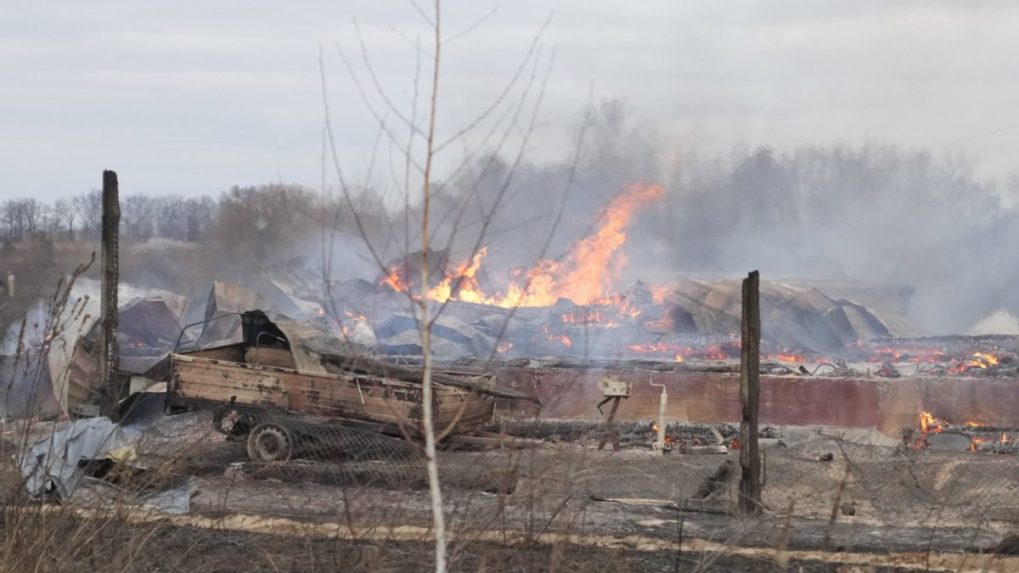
[(378, 85), (502, 95), (493, 157), (472, 27), (371, 109), (424, 15), (339, 171), (412, 43)]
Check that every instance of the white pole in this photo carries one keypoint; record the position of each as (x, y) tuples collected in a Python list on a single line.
[(663, 403)]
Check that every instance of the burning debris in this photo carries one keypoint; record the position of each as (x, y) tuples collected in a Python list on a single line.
[(969, 435), (574, 305), (585, 276), (583, 305), (942, 356)]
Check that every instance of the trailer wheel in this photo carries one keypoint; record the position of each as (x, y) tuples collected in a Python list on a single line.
[(270, 443)]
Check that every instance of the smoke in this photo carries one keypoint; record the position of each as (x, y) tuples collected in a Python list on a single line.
[(871, 213), (22, 362)]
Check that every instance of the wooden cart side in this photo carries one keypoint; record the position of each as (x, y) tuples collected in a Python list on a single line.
[(197, 380)]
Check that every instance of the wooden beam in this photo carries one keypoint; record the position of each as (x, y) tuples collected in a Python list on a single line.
[(109, 354), (749, 393)]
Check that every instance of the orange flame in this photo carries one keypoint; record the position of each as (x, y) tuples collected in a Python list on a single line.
[(587, 317), (585, 275), (560, 338), (794, 358), (464, 277), (931, 425), (913, 355), (715, 352), (981, 360), (394, 279)]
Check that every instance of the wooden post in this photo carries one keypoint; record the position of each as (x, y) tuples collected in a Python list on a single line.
[(109, 354), (611, 433), (749, 394)]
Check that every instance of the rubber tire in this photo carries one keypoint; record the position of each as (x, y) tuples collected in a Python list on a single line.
[(270, 443)]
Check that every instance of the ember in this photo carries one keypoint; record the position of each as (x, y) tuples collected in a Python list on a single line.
[(982, 438), (915, 355), (661, 348), (794, 358), (980, 360)]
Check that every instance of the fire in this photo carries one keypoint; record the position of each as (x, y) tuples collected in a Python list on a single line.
[(394, 279), (659, 293), (659, 348), (560, 338), (347, 328), (586, 275), (794, 358), (975, 442), (931, 425), (981, 360), (588, 317), (715, 352), (988, 359), (679, 359), (625, 308), (463, 278), (913, 355)]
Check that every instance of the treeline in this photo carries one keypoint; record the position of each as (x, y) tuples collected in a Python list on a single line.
[(80, 217), (258, 216)]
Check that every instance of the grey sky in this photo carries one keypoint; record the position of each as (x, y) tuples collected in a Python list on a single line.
[(191, 97)]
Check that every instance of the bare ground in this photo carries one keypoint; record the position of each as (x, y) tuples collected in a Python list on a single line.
[(567, 507)]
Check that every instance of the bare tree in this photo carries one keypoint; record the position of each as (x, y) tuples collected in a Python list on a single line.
[(509, 119), (65, 215)]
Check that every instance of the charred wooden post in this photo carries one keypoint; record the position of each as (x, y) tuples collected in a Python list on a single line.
[(614, 391), (749, 393), (109, 355)]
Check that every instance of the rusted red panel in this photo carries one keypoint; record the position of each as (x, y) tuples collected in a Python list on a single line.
[(988, 401), (887, 404)]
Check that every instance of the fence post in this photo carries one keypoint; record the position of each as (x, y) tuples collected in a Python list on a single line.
[(749, 394), (109, 359)]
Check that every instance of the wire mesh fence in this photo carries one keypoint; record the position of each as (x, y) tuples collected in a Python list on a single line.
[(823, 491)]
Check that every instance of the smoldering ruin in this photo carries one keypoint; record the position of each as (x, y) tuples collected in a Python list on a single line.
[(304, 374)]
